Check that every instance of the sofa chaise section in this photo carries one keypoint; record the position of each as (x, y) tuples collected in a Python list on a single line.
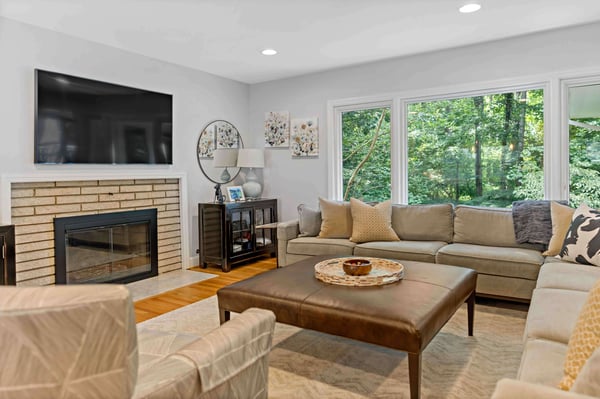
[(562, 289)]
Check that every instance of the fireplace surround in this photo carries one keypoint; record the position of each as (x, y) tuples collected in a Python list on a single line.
[(37, 200), (117, 247)]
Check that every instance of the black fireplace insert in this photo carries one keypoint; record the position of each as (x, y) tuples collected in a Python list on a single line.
[(118, 247)]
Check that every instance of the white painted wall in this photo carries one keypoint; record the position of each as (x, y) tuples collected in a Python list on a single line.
[(198, 98), (295, 181)]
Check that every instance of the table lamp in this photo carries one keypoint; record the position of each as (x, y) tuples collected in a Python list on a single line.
[(251, 158)]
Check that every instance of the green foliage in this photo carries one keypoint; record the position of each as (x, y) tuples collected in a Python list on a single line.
[(484, 150), (372, 181), (476, 150), (584, 164)]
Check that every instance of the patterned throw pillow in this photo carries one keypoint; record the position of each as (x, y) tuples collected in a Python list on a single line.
[(336, 219), (585, 338), (582, 242), (372, 223)]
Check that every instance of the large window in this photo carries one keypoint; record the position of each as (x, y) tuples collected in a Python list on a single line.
[(480, 150), (366, 154), (584, 145)]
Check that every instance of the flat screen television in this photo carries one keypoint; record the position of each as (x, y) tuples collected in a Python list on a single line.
[(84, 121)]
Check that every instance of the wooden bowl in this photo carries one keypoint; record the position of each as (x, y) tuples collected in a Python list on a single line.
[(357, 267)]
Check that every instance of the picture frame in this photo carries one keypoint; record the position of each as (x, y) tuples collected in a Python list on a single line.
[(235, 193)]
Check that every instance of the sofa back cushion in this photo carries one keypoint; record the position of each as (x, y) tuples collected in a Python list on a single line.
[(423, 222), (484, 226)]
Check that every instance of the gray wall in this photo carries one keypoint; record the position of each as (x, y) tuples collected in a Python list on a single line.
[(296, 181), (198, 97)]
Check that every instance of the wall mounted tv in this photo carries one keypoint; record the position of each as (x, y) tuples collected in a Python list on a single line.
[(84, 121)]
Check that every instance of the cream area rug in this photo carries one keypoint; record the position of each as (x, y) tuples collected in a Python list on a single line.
[(307, 364)]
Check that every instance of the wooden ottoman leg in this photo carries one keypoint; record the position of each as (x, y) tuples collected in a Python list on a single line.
[(224, 315), (414, 375), (471, 312)]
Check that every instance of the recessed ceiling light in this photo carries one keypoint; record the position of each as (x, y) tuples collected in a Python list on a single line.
[(470, 7), (269, 51)]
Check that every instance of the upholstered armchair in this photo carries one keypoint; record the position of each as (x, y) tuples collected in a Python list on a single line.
[(80, 341)]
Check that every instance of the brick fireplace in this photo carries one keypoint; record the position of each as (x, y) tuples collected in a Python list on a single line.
[(34, 205)]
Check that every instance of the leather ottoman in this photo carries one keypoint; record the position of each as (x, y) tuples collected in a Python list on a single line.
[(405, 315)]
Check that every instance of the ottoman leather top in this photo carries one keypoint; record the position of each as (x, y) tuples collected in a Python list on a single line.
[(404, 315)]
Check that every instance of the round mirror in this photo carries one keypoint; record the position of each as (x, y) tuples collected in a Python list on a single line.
[(217, 151)]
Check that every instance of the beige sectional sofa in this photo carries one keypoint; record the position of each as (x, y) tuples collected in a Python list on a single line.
[(476, 237), (81, 341), (562, 289)]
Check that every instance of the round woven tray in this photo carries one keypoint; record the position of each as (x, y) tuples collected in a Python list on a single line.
[(384, 271)]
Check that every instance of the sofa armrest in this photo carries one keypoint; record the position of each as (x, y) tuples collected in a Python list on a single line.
[(231, 361), (510, 389), (288, 230)]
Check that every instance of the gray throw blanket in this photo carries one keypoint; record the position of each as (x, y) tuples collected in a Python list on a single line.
[(533, 221)]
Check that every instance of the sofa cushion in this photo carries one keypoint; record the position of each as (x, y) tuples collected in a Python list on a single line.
[(566, 275), (422, 251), (423, 222), (336, 219), (371, 223), (484, 226), (553, 313), (320, 246), (561, 221), (582, 242), (309, 221), (542, 361), (585, 338), (512, 262)]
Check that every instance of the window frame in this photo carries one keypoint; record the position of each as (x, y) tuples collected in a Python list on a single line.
[(555, 185)]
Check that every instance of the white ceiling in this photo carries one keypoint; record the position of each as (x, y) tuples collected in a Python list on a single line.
[(224, 37)]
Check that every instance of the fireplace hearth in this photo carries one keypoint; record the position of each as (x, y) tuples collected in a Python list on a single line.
[(118, 247)]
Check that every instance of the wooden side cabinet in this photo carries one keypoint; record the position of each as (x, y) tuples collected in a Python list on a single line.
[(233, 232), (7, 255)]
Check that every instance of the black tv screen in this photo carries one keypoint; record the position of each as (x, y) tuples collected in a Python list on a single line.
[(84, 121)]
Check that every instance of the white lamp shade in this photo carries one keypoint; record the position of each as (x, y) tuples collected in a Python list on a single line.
[(251, 158), (225, 157)]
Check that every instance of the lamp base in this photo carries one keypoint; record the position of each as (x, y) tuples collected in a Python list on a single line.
[(252, 188)]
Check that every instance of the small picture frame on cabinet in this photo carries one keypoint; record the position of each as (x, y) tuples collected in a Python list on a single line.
[(235, 193)]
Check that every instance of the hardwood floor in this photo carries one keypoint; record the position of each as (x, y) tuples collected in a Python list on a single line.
[(148, 308)]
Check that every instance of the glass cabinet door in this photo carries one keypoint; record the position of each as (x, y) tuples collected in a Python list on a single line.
[(241, 231)]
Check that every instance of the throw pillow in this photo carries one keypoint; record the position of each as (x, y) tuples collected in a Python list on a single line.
[(585, 338), (336, 219), (561, 221), (372, 223), (532, 221), (309, 221), (582, 242)]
